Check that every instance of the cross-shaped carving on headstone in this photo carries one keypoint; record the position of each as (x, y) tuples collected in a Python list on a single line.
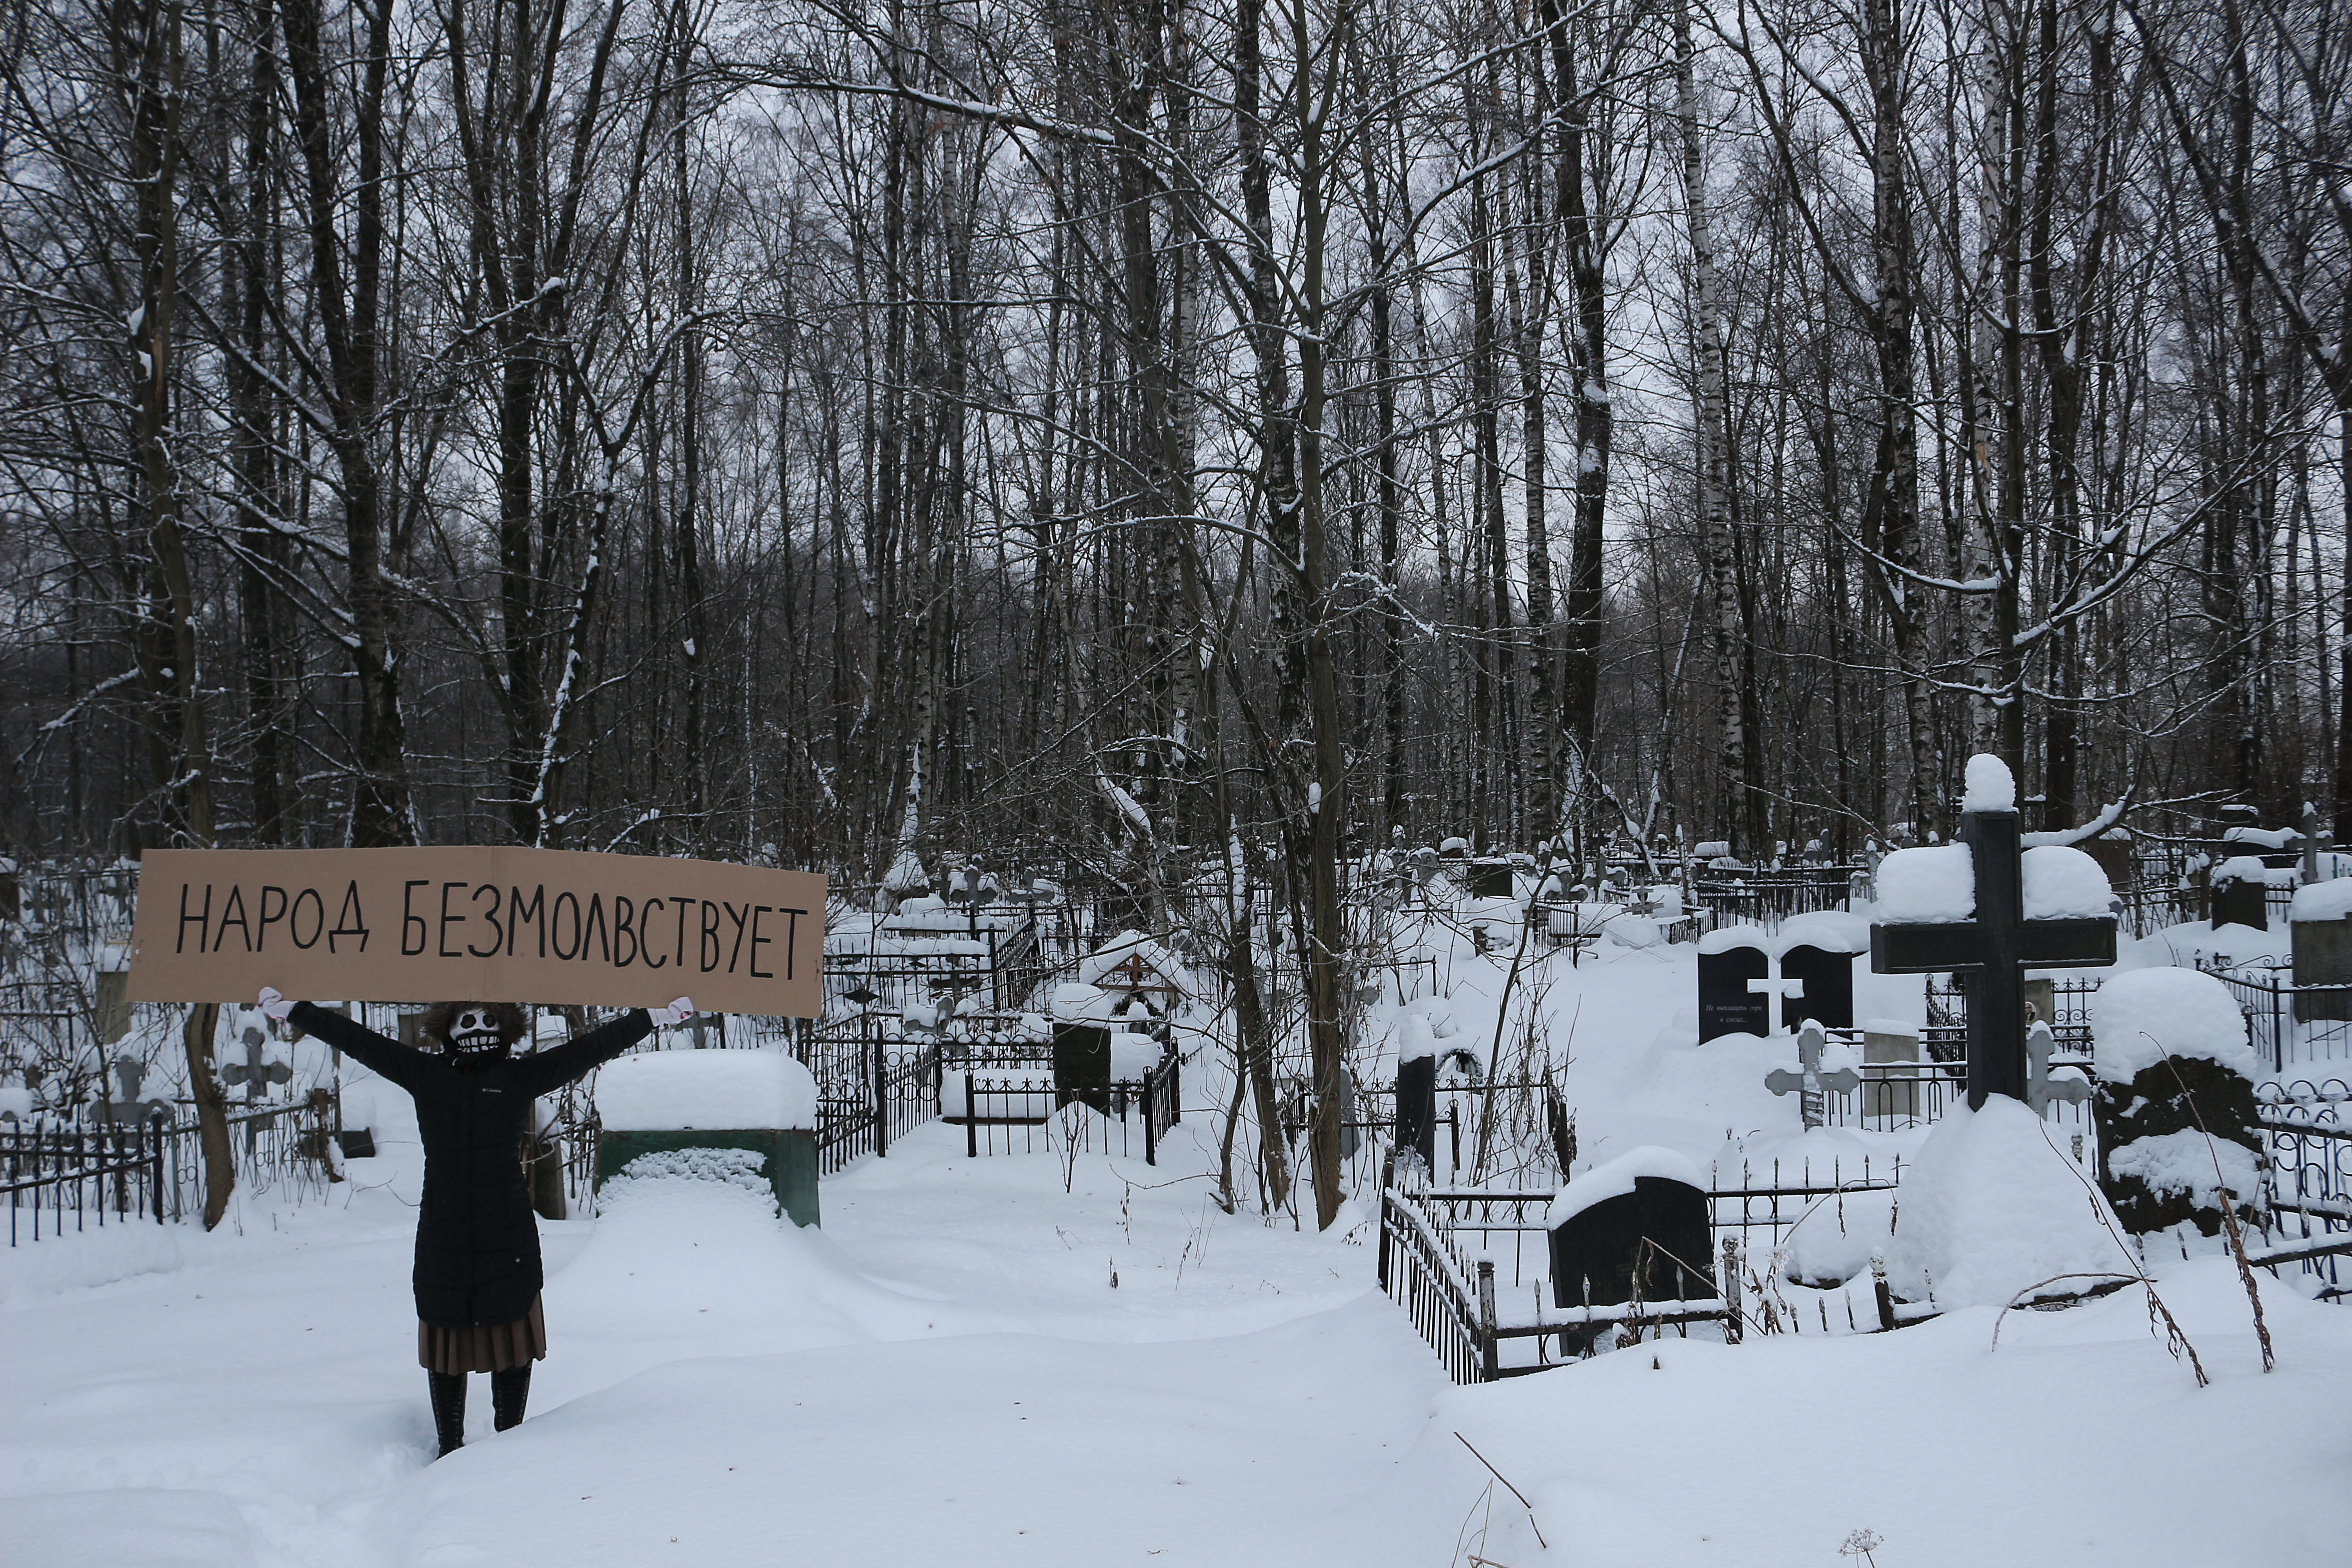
[(2041, 1089), (1779, 988), (1991, 953), (1810, 1083), (254, 1072)]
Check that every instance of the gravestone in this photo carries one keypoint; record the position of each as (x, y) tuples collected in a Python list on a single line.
[(2042, 1001), (1828, 981), (2320, 923), (1990, 950), (1811, 1085), (1490, 879), (1082, 1065), (1642, 1213), (1726, 1004), (2174, 1101), (110, 1007), (255, 1073), (2240, 901), (1890, 1043), (127, 1107), (1416, 1108), (745, 1117)]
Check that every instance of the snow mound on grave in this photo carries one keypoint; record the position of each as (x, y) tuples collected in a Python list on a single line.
[(1723, 939), (674, 1091), (2322, 901), (1990, 786), (2184, 1161), (1991, 1209), (1932, 886), (1414, 1039), (2141, 1017), (1616, 1178), (2064, 883)]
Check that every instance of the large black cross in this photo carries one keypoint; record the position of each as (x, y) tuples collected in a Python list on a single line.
[(1991, 953)]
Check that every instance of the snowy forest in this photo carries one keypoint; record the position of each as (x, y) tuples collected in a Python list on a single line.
[(809, 433)]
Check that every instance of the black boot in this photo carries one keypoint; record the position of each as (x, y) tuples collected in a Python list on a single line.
[(510, 1392), (448, 1409)]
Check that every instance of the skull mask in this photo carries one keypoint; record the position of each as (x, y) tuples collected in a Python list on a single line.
[(476, 1033)]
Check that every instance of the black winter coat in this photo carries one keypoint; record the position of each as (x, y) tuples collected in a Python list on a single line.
[(476, 1241)]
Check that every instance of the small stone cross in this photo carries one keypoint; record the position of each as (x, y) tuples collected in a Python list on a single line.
[(1784, 989), (1811, 1084), (256, 1074), (131, 1073), (2041, 1089)]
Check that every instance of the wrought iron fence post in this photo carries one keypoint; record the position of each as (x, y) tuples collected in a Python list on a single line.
[(1488, 1362), (1735, 1324), (971, 1122), (879, 1076)]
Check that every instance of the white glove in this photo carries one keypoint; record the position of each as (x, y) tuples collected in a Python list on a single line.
[(277, 1007), (677, 1013)]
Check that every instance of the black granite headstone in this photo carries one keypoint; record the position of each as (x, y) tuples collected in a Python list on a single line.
[(1082, 1065), (1660, 1228), (1726, 1005), (2240, 901), (1827, 998), (2177, 1094), (1490, 879), (1416, 1108)]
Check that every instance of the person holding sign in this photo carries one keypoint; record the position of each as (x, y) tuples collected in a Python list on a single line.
[(477, 1274)]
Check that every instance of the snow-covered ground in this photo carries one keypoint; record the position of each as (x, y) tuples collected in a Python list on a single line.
[(947, 1373)]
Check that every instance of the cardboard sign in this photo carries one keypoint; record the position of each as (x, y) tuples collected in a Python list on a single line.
[(540, 926)]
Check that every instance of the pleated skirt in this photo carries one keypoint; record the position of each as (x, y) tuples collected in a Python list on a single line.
[(484, 1347)]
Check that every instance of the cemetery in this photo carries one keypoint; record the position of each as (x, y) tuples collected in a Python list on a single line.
[(1791, 1178)]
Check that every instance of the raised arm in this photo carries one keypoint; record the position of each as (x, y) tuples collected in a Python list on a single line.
[(551, 1070), (403, 1065)]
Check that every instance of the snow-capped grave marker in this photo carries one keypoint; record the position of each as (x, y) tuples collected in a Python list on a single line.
[(256, 1073), (664, 1103), (1416, 1090), (2240, 896), (127, 1107), (1825, 986), (1643, 1213), (1962, 909), (1810, 1083), (2041, 1091), (1728, 1000), (2320, 921), (2175, 1101)]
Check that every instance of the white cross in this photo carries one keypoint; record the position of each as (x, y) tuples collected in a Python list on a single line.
[(1811, 1084), (1778, 988), (2041, 1089)]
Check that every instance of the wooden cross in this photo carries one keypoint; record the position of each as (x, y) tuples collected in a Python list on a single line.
[(256, 1074), (1991, 953), (1811, 1084), (2041, 1089)]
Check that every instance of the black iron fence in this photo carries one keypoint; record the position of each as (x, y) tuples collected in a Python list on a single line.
[(1016, 1107), (72, 1175), (1484, 1327), (1767, 898), (2309, 1182), (2286, 1023)]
